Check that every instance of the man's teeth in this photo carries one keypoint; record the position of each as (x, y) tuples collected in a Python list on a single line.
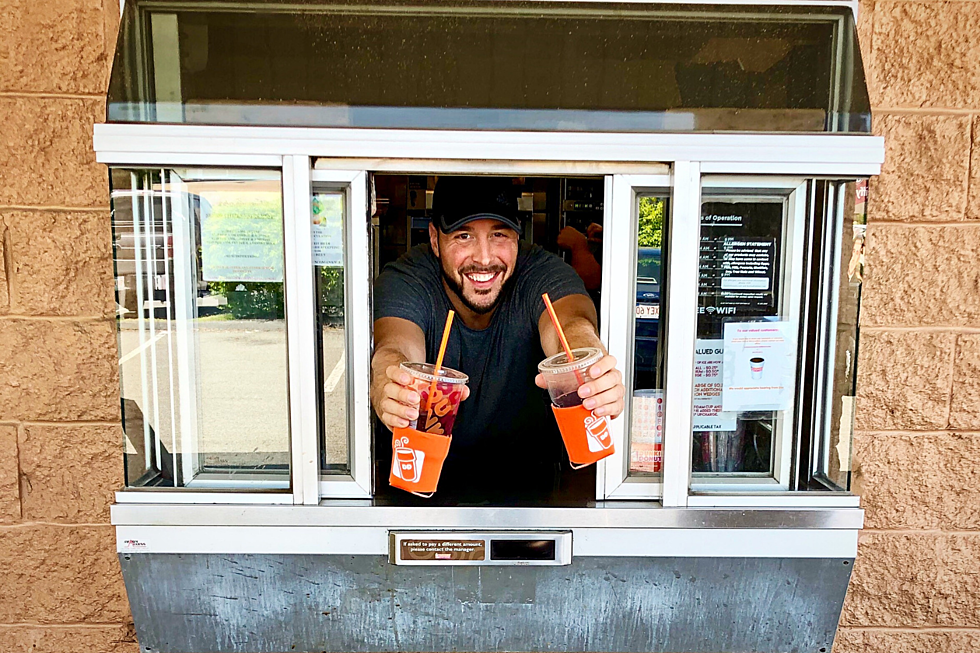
[(482, 277)]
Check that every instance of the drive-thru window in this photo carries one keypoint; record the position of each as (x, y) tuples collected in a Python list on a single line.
[(710, 165)]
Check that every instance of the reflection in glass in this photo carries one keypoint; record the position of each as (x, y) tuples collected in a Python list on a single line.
[(638, 67), (201, 327), (328, 212), (832, 453), (749, 288), (646, 433)]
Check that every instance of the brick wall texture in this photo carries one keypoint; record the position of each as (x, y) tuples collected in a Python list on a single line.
[(60, 440), (916, 584)]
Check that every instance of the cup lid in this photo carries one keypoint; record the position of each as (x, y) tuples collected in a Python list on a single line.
[(427, 371), (559, 363)]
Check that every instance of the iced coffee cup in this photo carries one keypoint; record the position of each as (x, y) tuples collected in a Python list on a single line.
[(419, 451), (436, 415), (586, 435)]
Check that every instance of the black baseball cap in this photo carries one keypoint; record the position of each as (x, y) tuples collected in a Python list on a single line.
[(459, 200)]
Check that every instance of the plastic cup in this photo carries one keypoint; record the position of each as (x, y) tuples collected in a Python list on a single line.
[(586, 435), (564, 377), (436, 417)]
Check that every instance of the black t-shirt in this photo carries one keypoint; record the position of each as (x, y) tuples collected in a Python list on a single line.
[(505, 431)]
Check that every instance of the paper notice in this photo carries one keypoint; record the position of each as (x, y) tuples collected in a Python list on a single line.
[(760, 366), (328, 229), (709, 357), (241, 237)]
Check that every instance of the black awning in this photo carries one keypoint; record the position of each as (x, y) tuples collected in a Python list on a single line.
[(491, 65)]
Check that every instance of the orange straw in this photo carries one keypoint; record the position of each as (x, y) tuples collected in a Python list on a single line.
[(442, 352), (561, 334)]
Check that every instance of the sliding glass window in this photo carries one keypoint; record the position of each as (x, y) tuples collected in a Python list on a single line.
[(199, 268)]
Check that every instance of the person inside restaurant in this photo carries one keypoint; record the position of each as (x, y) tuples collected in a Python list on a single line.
[(505, 442)]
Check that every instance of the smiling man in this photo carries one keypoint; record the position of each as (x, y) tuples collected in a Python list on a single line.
[(505, 440)]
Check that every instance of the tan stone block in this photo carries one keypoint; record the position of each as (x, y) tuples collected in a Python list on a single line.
[(964, 411), (904, 380), (71, 57), (68, 473), (61, 574), (956, 600), (922, 276), (62, 262), (924, 175), (895, 576), (899, 478), (927, 54), (46, 154), (9, 485), (863, 641), (961, 491), (58, 370), (68, 639)]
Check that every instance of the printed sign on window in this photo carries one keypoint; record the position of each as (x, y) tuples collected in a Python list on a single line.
[(241, 237), (709, 356), (759, 367), (328, 230)]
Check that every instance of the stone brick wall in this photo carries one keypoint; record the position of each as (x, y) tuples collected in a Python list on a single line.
[(916, 584), (60, 442)]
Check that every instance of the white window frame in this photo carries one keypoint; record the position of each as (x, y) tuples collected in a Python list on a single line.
[(354, 151)]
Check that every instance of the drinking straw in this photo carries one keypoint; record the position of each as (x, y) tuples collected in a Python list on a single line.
[(561, 334), (442, 353)]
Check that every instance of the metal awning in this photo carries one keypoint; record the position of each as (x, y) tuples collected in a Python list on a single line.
[(506, 65)]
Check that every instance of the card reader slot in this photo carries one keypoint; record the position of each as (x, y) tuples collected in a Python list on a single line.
[(522, 549)]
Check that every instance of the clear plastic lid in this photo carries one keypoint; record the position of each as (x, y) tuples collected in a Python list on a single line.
[(427, 371), (559, 363)]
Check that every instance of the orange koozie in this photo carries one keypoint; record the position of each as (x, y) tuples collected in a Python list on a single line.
[(416, 460), (587, 438)]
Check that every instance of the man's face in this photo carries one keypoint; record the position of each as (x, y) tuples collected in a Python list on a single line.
[(477, 260)]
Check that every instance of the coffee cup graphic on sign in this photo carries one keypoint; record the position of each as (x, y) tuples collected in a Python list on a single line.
[(756, 364)]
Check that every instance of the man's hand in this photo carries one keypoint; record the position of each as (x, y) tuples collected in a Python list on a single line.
[(572, 239), (603, 395), (399, 404)]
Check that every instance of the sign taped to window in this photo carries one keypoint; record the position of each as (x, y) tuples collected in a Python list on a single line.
[(709, 357), (759, 367), (328, 230), (241, 237)]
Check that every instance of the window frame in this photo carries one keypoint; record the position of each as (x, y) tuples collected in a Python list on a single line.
[(350, 153)]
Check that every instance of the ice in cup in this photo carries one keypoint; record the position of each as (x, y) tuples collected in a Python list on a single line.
[(586, 435), (438, 415), (564, 377)]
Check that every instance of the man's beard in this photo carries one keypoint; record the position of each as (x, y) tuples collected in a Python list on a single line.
[(457, 287)]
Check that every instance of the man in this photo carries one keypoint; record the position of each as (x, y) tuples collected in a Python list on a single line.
[(505, 435)]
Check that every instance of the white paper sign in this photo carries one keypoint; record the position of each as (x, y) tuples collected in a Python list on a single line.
[(241, 237), (759, 367), (328, 230), (708, 363)]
